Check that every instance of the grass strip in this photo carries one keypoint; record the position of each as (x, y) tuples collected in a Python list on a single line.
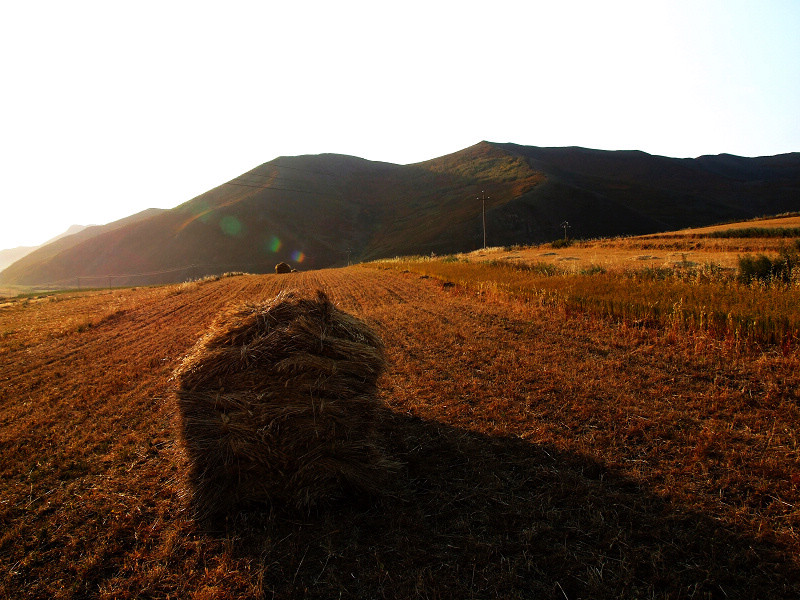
[(760, 313)]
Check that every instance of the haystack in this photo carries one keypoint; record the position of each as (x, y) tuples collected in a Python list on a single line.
[(282, 267), (278, 404)]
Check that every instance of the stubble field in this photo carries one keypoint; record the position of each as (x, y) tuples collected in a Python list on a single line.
[(721, 245), (548, 452)]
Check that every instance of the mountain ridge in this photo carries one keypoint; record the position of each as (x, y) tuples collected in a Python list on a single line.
[(316, 211)]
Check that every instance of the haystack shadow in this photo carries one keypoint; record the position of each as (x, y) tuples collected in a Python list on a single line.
[(474, 516)]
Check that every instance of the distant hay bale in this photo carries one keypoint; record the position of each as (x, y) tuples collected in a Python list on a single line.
[(282, 267), (278, 403)]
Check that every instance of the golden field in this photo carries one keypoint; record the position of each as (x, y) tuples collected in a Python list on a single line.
[(552, 445), (690, 247)]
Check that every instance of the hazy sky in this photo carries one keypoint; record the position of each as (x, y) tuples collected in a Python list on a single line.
[(108, 108)]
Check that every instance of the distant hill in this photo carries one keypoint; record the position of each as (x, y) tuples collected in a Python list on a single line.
[(71, 230), (38, 260), (321, 210), (11, 255)]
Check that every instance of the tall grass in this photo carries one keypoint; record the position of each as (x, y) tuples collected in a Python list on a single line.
[(701, 299), (783, 268)]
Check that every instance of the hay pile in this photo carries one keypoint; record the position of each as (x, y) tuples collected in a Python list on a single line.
[(282, 268), (278, 403)]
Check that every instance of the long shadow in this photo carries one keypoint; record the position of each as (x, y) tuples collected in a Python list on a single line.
[(474, 516)]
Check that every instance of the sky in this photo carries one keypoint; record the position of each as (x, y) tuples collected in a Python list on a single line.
[(109, 108)]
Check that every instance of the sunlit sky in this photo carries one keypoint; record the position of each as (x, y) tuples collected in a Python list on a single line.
[(108, 108)]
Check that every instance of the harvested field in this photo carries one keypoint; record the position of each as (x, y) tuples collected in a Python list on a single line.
[(690, 247), (547, 454)]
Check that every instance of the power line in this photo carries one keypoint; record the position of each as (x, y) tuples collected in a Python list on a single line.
[(327, 173), (256, 177), (269, 187), (246, 180), (195, 267)]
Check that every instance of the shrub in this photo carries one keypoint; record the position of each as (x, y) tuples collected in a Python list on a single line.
[(562, 243), (540, 268), (593, 270), (652, 274), (764, 268)]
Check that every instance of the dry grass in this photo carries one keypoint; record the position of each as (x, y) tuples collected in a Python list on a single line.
[(779, 222), (699, 301), (682, 249), (617, 279), (547, 453)]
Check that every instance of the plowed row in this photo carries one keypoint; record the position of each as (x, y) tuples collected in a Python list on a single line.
[(546, 455)]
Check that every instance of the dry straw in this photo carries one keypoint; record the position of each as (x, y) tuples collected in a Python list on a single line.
[(278, 403)]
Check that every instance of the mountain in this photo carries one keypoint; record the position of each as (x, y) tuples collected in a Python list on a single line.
[(71, 230), (632, 192), (54, 251), (11, 255), (317, 211)]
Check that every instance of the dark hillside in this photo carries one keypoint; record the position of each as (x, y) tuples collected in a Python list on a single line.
[(318, 211), (646, 193)]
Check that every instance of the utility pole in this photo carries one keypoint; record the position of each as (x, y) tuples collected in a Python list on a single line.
[(566, 226), (483, 216)]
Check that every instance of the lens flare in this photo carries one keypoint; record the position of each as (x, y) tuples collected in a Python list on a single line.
[(204, 212), (298, 256), (274, 243), (230, 225)]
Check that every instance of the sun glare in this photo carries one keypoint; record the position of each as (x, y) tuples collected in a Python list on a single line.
[(230, 225)]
